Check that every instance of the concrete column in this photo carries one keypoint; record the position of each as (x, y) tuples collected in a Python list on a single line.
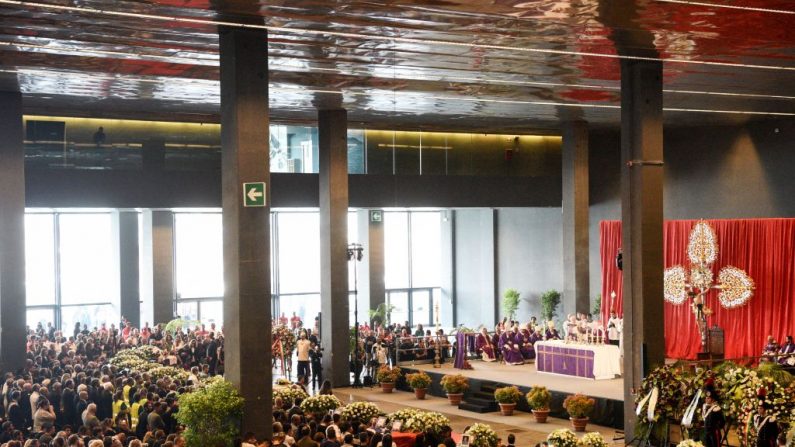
[(371, 269), (158, 276), (333, 176), (12, 233), (245, 159), (576, 296), (642, 221), (129, 277)]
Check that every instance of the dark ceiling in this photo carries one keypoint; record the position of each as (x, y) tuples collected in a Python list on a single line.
[(499, 65)]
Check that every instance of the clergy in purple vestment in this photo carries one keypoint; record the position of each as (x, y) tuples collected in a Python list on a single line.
[(485, 347), (552, 333), (525, 346), (509, 348), (787, 352)]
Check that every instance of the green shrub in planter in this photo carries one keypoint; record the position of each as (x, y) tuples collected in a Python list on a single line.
[(539, 398), (211, 414), (507, 395)]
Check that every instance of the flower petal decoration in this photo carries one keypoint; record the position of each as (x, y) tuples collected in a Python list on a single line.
[(702, 249), (674, 284), (736, 287)]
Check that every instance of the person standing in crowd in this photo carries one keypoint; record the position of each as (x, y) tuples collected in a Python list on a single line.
[(302, 348), (316, 356), (212, 354)]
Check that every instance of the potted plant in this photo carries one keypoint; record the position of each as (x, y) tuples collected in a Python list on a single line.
[(579, 408), (419, 381), (510, 302), (507, 397), (455, 385), (538, 399), (387, 377), (549, 303)]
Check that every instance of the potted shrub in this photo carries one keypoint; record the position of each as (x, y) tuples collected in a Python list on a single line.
[(387, 377), (549, 304), (510, 302), (455, 385), (538, 399), (507, 397), (579, 408), (420, 382)]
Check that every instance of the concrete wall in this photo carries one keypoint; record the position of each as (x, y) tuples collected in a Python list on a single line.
[(529, 242), (474, 258)]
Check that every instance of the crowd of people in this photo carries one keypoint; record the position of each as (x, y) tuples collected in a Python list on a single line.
[(69, 395)]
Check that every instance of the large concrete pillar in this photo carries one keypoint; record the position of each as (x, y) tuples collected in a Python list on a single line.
[(12, 233), (576, 296), (158, 276), (642, 221), (333, 175), (245, 159), (371, 270), (129, 276)]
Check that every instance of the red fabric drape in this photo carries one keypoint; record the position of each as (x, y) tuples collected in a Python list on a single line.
[(610, 242), (765, 248)]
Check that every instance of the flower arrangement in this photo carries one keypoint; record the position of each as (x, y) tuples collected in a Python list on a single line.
[(418, 380), (454, 383), (385, 374), (286, 336), (562, 437), (592, 439), (282, 381), (689, 443), (539, 398), (579, 405), (211, 414), (419, 421), (134, 358), (507, 395), (482, 435), (360, 411), (162, 372), (289, 394), (320, 404)]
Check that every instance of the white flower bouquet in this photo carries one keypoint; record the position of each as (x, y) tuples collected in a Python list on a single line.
[(289, 394), (483, 436), (360, 411), (562, 437), (689, 443), (592, 439), (320, 404), (161, 372)]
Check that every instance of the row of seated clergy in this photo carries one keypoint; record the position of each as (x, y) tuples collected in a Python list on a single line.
[(782, 354), (514, 345)]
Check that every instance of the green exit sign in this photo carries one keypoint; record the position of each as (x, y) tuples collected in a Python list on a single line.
[(376, 216), (254, 194)]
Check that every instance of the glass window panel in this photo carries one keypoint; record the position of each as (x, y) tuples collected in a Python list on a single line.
[(356, 144), (425, 249), (434, 153), (400, 313), (40, 259), (89, 271), (396, 253), (437, 305), (352, 311), (407, 152), (212, 312), (188, 310), (380, 151), (420, 310), (307, 307), (39, 315), (199, 255), (93, 316), (299, 252)]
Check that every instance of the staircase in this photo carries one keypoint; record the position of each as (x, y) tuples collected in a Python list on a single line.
[(481, 401)]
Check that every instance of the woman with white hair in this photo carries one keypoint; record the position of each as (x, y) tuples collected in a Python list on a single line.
[(90, 419)]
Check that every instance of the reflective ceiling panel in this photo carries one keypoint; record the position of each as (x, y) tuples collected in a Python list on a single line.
[(484, 65)]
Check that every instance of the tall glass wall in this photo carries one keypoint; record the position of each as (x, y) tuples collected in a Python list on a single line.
[(89, 143), (71, 268), (199, 266), (412, 258)]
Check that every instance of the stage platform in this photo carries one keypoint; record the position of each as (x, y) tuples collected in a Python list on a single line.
[(609, 394)]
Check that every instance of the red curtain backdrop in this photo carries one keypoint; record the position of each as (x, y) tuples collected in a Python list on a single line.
[(765, 248)]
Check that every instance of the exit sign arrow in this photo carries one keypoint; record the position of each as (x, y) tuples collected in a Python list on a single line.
[(254, 194)]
